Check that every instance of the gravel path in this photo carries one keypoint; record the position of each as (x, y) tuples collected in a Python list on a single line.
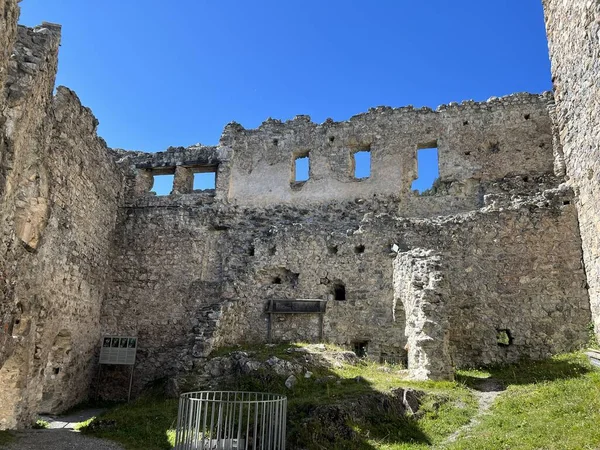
[(486, 392), (58, 440)]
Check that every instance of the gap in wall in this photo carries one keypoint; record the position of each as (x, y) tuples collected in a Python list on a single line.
[(163, 184), (427, 167), (362, 164), (205, 180), (302, 168)]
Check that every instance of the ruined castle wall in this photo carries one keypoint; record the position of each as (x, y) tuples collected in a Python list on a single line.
[(24, 204), (574, 39), (512, 267), (195, 270), (58, 211), (9, 13), (477, 142), (312, 257), (166, 274), (193, 277)]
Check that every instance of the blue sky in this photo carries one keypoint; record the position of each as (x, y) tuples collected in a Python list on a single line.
[(159, 73)]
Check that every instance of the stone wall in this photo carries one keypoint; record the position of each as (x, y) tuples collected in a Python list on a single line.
[(477, 142), (511, 269), (59, 207), (574, 39), (483, 268), (196, 270)]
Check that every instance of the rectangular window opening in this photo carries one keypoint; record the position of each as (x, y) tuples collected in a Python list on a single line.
[(427, 168), (163, 184), (301, 168), (362, 164), (205, 180)]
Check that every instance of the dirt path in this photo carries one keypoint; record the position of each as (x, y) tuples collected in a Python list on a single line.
[(58, 439), (486, 392), (60, 435)]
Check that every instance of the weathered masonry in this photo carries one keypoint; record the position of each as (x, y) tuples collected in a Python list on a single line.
[(287, 240)]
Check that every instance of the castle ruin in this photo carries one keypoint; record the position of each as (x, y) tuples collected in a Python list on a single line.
[(499, 261)]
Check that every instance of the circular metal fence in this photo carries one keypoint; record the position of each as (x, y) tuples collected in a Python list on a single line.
[(225, 420)]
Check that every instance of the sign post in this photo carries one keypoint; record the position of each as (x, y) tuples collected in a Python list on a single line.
[(119, 350)]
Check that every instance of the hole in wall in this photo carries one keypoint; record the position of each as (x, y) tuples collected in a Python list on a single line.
[(427, 167), (504, 337), (493, 147), (467, 153), (163, 184), (205, 180), (331, 139), (56, 370), (332, 250), (465, 123), (525, 179), (359, 249), (302, 168), (251, 250), (278, 275), (361, 348), (339, 292), (527, 116), (362, 164), (566, 202), (275, 141)]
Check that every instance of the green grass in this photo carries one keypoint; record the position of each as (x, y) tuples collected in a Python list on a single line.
[(352, 393), (551, 404), (40, 425), (140, 425)]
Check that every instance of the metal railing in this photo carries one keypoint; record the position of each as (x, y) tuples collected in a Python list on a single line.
[(225, 420)]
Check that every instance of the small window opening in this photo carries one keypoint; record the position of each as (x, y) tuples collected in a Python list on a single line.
[(332, 250), (56, 370), (331, 139), (566, 202), (362, 164), (467, 153), (251, 251), (275, 141), (361, 348), (276, 280), (302, 168), (465, 123), (339, 292), (527, 116), (163, 184), (359, 249), (204, 180), (272, 250), (503, 338), (427, 167)]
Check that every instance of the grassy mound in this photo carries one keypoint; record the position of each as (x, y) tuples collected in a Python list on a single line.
[(348, 403)]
